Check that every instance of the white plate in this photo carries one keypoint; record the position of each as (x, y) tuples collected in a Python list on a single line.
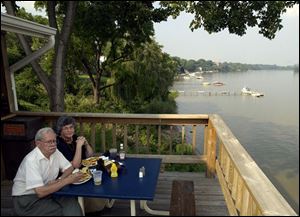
[(84, 181), (104, 158)]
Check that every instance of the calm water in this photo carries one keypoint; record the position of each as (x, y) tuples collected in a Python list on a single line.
[(267, 127)]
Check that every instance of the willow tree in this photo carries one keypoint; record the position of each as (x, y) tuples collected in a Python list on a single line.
[(143, 83), (106, 33)]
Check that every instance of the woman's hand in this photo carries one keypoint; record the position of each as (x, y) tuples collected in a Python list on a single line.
[(81, 141)]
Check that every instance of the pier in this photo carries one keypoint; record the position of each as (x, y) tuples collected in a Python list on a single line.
[(207, 93)]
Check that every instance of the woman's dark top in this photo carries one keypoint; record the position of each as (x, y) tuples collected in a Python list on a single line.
[(69, 149)]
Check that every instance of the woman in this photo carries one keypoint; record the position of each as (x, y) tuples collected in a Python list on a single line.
[(74, 148)]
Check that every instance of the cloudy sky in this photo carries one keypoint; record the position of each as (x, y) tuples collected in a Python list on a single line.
[(178, 40)]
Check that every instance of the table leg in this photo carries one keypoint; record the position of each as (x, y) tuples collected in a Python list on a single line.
[(81, 203), (132, 208), (110, 203), (143, 205)]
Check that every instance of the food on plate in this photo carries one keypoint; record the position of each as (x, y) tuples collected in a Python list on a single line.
[(85, 170), (89, 162), (85, 176)]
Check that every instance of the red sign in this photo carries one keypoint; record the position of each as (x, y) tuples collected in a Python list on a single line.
[(14, 130)]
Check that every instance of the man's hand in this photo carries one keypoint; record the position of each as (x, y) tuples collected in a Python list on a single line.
[(75, 177)]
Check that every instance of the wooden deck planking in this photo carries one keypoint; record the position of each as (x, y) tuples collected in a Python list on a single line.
[(208, 194)]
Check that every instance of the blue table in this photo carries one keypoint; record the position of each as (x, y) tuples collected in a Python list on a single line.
[(126, 186)]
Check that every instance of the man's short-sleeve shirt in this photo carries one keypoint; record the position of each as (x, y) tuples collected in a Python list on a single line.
[(36, 171)]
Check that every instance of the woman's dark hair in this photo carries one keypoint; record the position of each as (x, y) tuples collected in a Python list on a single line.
[(63, 121)]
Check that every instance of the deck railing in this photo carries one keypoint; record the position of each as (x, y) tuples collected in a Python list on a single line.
[(246, 188)]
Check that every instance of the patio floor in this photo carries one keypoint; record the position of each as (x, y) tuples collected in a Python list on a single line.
[(208, 194)]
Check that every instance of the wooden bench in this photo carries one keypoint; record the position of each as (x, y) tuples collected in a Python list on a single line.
[(182, 198)]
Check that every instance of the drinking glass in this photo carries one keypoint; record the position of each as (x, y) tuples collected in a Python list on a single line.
[(113, 153), (97, 177)]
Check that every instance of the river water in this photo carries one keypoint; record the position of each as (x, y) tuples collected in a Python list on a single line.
[(267, 127)]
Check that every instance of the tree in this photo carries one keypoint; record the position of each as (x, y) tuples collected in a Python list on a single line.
[(144, 82), (214, 16), (237, 16), (53, 83), (106, 33)]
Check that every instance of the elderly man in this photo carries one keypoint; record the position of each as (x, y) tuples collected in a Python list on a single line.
[(36, 180)]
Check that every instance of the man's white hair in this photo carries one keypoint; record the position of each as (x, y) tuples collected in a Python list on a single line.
[(39, 136)]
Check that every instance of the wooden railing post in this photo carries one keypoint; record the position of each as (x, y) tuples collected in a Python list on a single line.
[(205, 139), (148, 138), (159, 139), (103, 146), (171, 135), (194, 138), (137, 143), (114, 136), (182, 135), (125, 137), (211, 151), (93, 136)]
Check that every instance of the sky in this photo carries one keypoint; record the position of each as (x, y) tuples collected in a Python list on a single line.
[(252, 48), (177, 39)]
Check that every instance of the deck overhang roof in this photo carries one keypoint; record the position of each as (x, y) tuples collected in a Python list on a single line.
[(21, 26)]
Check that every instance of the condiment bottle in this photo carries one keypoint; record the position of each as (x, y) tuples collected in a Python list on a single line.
[(113, 170), (122, 152)]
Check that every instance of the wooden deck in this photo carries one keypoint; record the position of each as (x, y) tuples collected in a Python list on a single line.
[(208, 194), (246, 189)]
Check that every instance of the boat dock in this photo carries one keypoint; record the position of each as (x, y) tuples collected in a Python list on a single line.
[(209, 93)]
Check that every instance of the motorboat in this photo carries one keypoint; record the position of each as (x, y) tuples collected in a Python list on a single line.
[(248, 91), (257, 94), (186, 77), (218, 83), (205, 83)]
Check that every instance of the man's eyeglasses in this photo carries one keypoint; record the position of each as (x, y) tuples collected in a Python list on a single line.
[(49, 142)]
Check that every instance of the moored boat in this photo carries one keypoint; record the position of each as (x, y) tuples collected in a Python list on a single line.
[(218, 83), (205, 83), (257, 94), (248, 91)]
